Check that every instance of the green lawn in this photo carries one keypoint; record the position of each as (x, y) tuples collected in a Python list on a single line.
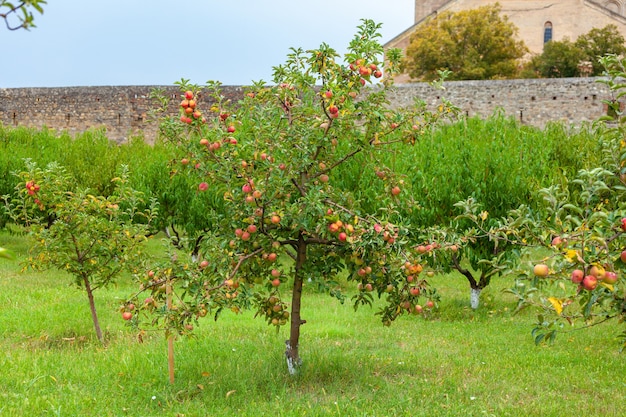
[(455, 363)]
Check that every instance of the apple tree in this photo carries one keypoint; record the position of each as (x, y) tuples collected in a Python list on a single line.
[(272, 159), (91, 237), (573, 247), (467, 245)]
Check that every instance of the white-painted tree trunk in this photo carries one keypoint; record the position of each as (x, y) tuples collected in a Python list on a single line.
[(292, 364), (475, 298)]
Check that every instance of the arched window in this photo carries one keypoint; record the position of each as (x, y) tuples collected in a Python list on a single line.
[(612, 6), (547, 32)]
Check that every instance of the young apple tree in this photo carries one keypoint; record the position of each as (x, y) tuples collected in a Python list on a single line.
[(468, 247), (273, 158), (573, 248), (91, 237)]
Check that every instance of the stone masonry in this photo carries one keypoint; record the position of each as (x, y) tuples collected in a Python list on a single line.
[(124, 110)]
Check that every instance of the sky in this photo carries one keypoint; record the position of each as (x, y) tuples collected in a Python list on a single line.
[(156, 42)]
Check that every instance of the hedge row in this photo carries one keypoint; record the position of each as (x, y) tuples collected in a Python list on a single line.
[(498, 162)]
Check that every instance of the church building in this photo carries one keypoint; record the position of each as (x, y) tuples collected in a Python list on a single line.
[(538, 21)]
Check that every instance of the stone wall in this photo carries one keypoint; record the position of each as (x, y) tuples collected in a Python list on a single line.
[(534, 102), (124, 111)]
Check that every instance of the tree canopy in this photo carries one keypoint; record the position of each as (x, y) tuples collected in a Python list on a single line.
[(566, 58), (477, 44)]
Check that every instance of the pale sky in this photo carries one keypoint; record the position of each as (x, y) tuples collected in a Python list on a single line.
[(156, 42)]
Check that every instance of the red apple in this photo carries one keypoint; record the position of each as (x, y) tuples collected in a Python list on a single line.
[(203, 186), (557, 241), (622, 256), (396, 190), (610, 277), (204, 264), (415, 291), (188, 95), (275, 273), (230, 129), (365, 71), (275, 219), (624, 224), (343, 236), (430, 304), (577, 276), (590, 282), (272, 257), (368, 287), (328, 94), (204, 142), (275, 282), (245, 236), (252, 228), (324, 178), (127, 315)]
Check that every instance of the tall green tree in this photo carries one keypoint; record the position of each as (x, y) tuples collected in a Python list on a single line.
[(477, 44), (20, 15), (599, 42), (559, 59), (564, 58)]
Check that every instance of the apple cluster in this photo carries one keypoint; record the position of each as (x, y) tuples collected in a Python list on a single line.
[(365, 70), (127, 311), (189, 112), (343, 231), (593, 276), (275, 311)]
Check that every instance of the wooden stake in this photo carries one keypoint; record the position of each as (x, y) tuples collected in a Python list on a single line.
[(170, 339)]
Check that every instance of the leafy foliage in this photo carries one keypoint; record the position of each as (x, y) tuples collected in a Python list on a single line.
[(91, 237), (477, 44), (22, 12)]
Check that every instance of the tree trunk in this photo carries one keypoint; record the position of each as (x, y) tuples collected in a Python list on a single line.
[(92, 306), (475, 297), (475, 286), (291, 352)]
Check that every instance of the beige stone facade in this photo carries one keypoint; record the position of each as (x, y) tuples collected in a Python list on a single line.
[(566, 18)]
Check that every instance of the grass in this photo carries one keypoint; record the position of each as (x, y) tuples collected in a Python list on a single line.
[(458, 362)]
